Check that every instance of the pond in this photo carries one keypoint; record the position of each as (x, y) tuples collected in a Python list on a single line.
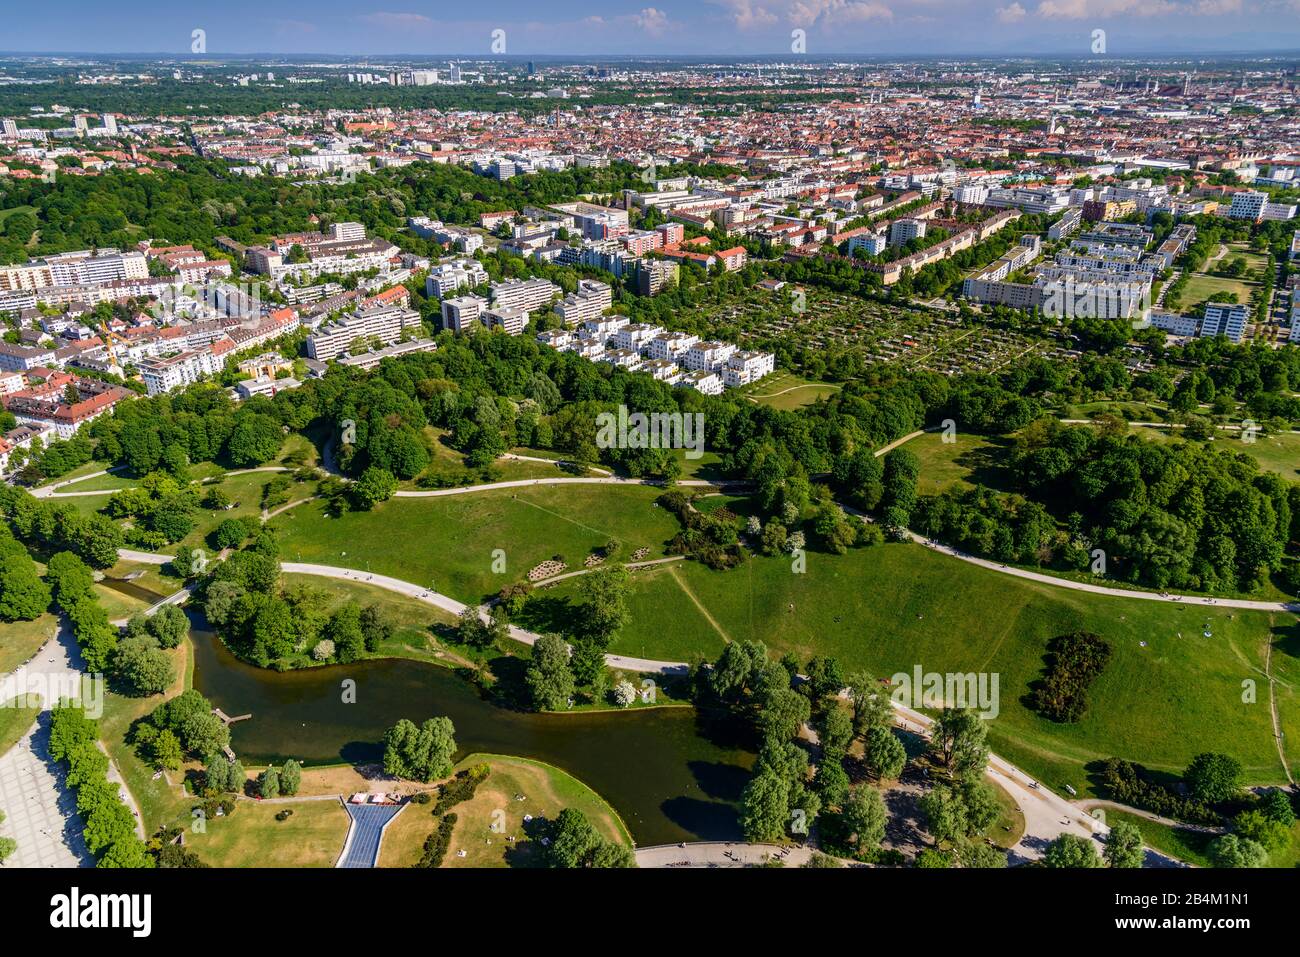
[(672, 774)]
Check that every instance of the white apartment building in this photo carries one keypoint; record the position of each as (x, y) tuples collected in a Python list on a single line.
[(555, 338), (872, 243), (670, 345), (447, 278), (588, 301), (904, 230), (1225, 319), (742, 368), (709, 356), (628, 359), (703, 381), (384, 324), (163, 374), (530, 294), (635, 335), (587, 348), (1174, 323), (509, 319), (603, 327), (665, 370), (460, 313)]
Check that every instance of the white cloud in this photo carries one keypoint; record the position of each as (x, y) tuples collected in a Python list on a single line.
[(1103, 9), (1011, 14), (397, 21), (747, 15), (652, 21)]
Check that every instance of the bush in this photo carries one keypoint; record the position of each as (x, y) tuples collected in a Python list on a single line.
[(1074, 662), (437, 843), (460, 788), (1123, 782)]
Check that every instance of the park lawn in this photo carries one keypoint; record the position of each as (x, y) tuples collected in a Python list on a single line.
[(412, 620), (448, 542), (1278, 452), (160, 801), (313, 836), (1188, 846), (546, 790), (19, 640), (13, 210), (1009, 828), (707, 466), (111, 482), (117, 605), (1201, 286), (16, 716), (245, 491), (786, 391), (966, 461), (894, 606)]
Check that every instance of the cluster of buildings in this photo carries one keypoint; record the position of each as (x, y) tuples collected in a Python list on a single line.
[(677, 358), (1105, 272)]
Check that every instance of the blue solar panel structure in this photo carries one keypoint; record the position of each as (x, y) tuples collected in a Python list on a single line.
[(368, 822)]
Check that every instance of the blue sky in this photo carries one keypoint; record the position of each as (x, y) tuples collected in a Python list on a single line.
[(698, 27)]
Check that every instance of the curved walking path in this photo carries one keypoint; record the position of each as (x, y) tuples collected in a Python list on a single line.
[(1089, 804), (721, 854)]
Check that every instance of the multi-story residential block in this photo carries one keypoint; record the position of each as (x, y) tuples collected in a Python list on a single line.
[(628, 359), (655, 275), (708, 356), (665, 370), (163, 374), (588, 301), (873, 244), (509, 319), (603, 327), (530, 294), (670, 346), (46, 406), (703, 381), (555, 338), (448, 278), (902, 231), (1225, 319), (742, 368), (384, 325), (635, 335), (461, 312)]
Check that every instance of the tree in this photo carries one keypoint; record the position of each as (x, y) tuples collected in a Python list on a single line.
[(765, 807), (255, 440), (960, 739), (344, 629), (7, 847), (143, 666), (604, 606), (1213, 778), (374, 486), (1233, 851), (166, 751), (23, 596), (885, 754), (420, 754), (1070, 850), (168, 625), (268, 783), (945, 814), (575, 843), (229, 533), (290, 778), (1123, 846), (871, 707), (97, 541), (549, 677), (863, 818)]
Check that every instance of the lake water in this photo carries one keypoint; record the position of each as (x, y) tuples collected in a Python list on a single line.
[(671, 774)]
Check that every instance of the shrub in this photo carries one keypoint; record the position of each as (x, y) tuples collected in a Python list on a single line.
[(1075, 661), (437, 843)]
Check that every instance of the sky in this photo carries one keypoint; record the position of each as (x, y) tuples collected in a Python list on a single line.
[(894, 28)]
